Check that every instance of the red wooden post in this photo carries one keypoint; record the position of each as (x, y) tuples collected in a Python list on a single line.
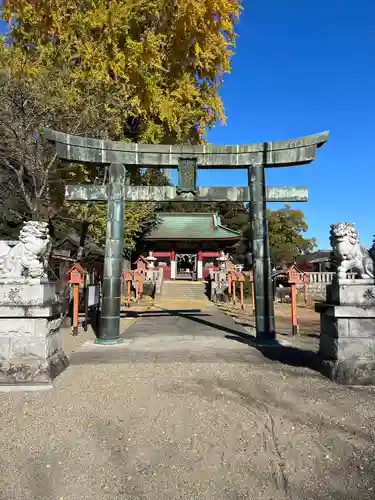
[(138, 278), (234, 291), (295, 329), (122, 286), (128, 279), (75, 308), (251, 277), (241, 279), (76, 277)]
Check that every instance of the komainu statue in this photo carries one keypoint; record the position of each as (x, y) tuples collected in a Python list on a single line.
[(349, 253), (29, 257), (372, 251)]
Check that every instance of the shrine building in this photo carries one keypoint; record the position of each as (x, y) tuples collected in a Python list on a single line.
[(186, 245)]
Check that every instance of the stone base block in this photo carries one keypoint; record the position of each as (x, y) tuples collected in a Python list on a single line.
[(19, 300), (351, 292), (349, 372), (347, 343), (30, 340), (31, 373)]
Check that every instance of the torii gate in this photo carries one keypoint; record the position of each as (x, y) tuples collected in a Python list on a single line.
[(122, 155)]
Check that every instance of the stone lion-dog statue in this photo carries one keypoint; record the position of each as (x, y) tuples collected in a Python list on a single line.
[(349, 253), (29, 257)]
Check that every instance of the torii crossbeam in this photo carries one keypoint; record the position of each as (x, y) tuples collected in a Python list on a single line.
[(122, 155)]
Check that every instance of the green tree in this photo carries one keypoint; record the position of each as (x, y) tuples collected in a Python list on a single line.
[(286, 228)]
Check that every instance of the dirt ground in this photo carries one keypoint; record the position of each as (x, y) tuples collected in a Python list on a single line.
[(308, 321), (184, 410)]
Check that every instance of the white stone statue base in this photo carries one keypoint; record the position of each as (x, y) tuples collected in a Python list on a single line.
[(31, 353), (347, 332)]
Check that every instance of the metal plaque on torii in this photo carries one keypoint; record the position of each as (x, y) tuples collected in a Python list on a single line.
[(187, 176)]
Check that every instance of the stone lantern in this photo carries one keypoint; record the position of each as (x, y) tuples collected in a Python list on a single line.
[(150, 261), (222, 260)]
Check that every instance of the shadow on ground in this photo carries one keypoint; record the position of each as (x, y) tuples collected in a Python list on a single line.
[(162, 312), (272, 350), (285, 354), (195, 315)]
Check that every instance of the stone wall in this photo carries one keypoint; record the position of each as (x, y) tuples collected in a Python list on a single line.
[(315, 291), (318, 282)]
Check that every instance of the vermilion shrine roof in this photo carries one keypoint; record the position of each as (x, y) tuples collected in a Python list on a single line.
[(191, 226)]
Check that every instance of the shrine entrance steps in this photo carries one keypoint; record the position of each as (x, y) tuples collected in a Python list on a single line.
[(184, 290)]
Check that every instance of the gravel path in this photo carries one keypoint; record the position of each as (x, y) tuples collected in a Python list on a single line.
[(188, 414)]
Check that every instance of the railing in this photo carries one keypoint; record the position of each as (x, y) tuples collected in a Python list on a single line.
[(325, 277), (320, 277)]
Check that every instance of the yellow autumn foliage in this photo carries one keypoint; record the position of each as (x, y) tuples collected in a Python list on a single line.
[(153, 67), (164, 59)]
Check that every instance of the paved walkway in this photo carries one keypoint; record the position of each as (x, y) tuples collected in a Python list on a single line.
[(188, 409), (189, 334), (174, 321)]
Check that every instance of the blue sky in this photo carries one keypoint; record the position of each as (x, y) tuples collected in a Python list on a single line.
[(304, 66)]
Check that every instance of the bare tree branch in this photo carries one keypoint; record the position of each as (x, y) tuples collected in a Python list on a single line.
[(33, 176)]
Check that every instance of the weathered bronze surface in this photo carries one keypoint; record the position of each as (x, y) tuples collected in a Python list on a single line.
[(270, 154), (187, 176), (254, 157), (265, 316), (170, 193), (113, 261)]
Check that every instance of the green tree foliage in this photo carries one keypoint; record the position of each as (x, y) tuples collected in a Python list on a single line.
[(136, 215), (286, 228)]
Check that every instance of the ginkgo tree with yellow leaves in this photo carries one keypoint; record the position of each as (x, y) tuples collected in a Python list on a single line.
[(155, 65)]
